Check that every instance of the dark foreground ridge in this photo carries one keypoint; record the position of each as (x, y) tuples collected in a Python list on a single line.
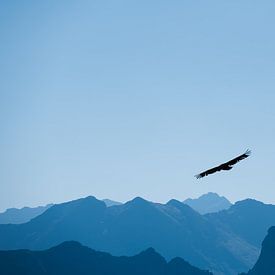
[(71, 258), (266, 262)]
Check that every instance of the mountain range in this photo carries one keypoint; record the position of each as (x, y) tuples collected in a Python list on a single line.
[(221, 242), (207, 203), (25, 214), (72, 258)]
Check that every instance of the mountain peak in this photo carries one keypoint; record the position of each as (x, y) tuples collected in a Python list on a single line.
[(251, 202), (211, 194), (209, 203), (151, 256), (90, 198), (89, 201), (80, 209), (138, 201)]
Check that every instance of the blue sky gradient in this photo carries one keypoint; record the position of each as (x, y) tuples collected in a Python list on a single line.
[(119, 99)]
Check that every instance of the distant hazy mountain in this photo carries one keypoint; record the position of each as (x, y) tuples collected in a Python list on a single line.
[(71, 258), (111, 203), (25, 214), (174, 229), (249, 219), (266, 262), (208, 203)]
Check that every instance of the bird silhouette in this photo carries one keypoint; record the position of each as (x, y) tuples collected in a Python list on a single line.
[(225, 166)]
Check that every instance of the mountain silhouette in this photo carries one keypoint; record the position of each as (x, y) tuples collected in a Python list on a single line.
[(25, 214), (71, 258), (266, 262), (208, 203), (173, 229)]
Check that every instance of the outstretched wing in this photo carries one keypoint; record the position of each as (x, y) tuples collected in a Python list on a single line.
[(209, 171), (239, 158)]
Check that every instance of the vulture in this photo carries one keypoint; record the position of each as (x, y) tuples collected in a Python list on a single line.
[(225, 166)]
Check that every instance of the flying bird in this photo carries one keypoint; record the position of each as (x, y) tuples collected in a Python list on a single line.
[(225, 166)]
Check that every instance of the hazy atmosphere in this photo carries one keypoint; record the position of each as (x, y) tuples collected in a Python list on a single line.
[(133, 98)]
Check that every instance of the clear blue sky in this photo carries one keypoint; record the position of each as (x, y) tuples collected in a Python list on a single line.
[(119, 99)]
